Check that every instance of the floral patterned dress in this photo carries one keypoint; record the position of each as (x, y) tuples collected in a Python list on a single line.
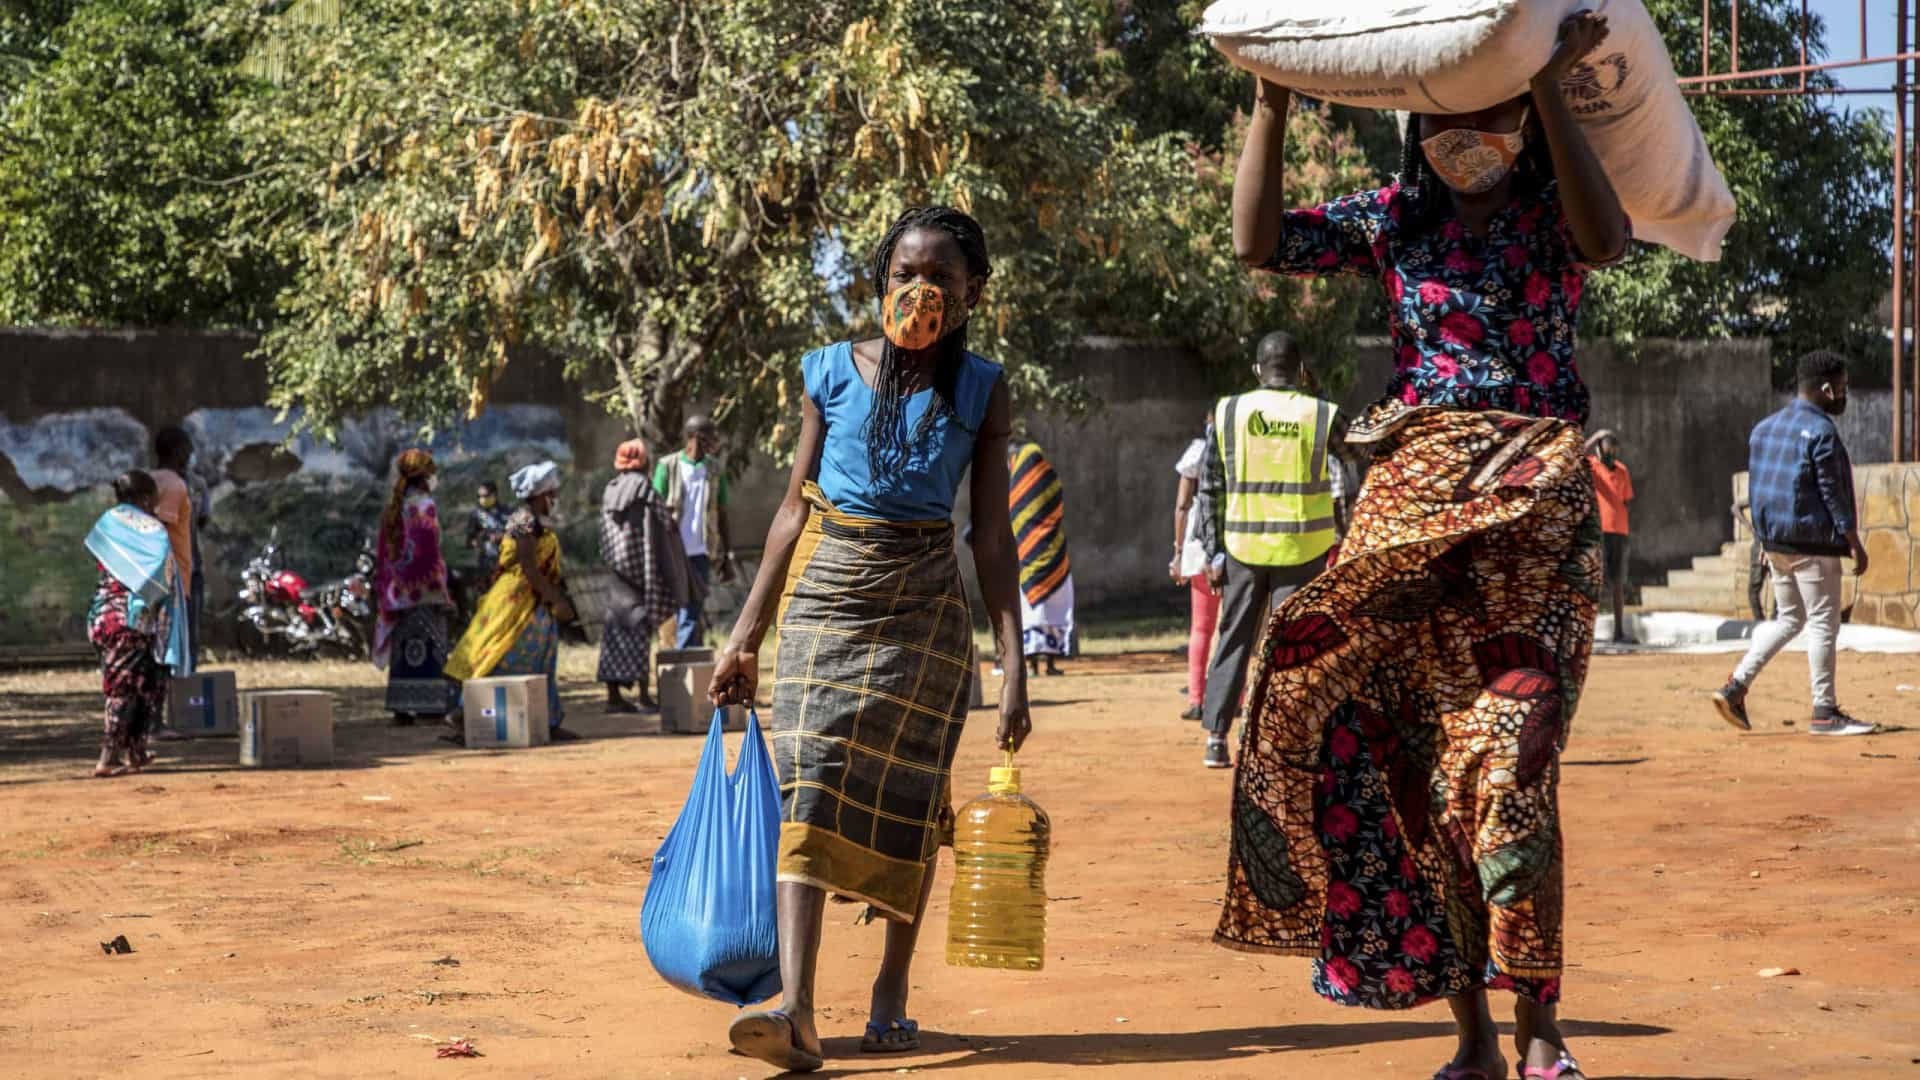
[(1395, 809), (131, 675)]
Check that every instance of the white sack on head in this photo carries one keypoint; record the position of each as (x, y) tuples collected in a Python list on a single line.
[(1451, 56)]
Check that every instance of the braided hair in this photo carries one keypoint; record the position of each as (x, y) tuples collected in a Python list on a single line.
[(1426, 193), (886, 450)]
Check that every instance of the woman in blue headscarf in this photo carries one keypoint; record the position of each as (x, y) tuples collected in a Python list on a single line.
[(136, 622)]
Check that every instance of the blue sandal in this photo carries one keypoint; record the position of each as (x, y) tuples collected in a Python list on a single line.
[(884, 1040)]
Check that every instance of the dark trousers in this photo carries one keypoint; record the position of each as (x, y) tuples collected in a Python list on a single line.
[(1250, 596)]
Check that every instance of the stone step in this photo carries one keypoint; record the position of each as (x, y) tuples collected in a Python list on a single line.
[(1694, 579), (1722, 564), (1712, 601)]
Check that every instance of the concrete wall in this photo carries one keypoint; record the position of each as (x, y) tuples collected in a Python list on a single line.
[(1682, 409)]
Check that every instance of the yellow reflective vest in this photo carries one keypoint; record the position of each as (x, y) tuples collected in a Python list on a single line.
[(1279, 497)]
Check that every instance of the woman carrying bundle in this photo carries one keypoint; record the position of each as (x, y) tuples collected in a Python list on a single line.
[(1395, 811), (137, 621), (875, 638)]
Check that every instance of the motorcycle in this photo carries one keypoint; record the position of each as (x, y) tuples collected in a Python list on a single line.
[(279, 614)]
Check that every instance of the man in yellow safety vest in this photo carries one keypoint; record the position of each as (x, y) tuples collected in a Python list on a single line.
[(1273, 494)]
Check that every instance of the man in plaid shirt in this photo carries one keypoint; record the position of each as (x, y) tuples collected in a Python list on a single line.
[(1800, 487)]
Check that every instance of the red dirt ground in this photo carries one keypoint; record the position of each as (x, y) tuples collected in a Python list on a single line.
[(288, 924)]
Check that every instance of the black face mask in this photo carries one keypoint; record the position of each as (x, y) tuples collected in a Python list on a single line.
[(1834, 405)]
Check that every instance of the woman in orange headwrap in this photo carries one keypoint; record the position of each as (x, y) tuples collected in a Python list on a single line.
[(641, 545), (410, 638)]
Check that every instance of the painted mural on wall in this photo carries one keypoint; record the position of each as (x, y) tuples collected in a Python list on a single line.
[(323, 498)]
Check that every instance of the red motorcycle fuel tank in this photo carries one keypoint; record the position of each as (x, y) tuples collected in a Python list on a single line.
[(285, 587)]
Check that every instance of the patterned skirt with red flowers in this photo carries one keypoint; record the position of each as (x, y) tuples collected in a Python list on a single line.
[(1395, 810)]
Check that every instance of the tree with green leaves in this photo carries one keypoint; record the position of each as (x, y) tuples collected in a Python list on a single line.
[(678, 199), (116, 168)]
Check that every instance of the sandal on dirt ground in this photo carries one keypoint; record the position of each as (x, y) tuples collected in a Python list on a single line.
[(1462, 1072), (772, 1038), (1563, 1068), (902, 1036)]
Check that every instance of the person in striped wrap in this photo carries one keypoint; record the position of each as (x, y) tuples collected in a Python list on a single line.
[(1038, 511)]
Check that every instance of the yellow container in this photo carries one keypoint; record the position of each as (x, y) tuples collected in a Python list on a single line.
[(998, 916)]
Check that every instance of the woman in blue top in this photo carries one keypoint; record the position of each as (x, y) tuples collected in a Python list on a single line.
[(875, 648), (1395, 810)]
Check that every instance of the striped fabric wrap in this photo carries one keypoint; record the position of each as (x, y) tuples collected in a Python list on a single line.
[(1039, 515), (869, 697)]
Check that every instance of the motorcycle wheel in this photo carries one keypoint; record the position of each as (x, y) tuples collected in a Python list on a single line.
[(251, 642)]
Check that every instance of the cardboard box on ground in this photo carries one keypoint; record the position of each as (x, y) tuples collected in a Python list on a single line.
[(506, 712), (286, 728), (204, 703), (683, 678)]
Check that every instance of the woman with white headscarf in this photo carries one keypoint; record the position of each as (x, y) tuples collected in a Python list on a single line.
[(516, 627)]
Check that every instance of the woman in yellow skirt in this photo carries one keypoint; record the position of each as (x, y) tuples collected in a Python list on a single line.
[(516, 627)]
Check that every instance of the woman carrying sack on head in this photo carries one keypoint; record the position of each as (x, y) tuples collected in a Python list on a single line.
[(1395, 811), (411, 637), (516, 625), (875, 666)]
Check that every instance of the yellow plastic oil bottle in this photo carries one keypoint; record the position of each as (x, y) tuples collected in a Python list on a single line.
[(999, 907)]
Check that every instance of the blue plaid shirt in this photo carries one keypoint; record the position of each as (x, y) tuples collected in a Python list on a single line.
[(1800, 482)]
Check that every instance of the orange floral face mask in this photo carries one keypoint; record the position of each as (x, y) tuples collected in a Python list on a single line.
[(917, 315)]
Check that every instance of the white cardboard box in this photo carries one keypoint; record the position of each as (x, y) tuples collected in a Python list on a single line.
[(204, 703), (683, 701), (505, 712), (285, 728)]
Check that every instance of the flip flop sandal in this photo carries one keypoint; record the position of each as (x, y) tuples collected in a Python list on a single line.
[(772, 1038), (1561, 1066), (877, 1041), (1457, 1072)]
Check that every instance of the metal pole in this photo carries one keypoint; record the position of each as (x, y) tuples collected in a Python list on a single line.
[(1803, 45), (1706, 36), (1898, 449)]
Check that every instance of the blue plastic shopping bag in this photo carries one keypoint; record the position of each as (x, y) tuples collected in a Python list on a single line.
[(708, 920)]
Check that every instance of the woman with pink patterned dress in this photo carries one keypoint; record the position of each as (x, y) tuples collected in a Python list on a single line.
[(410, 638)]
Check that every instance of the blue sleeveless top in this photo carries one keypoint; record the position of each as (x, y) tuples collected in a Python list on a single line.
[(924, 488)]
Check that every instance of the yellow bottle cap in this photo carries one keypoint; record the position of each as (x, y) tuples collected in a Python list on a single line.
[(1004, 779)]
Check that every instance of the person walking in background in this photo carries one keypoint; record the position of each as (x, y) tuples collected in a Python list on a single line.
[(1612, 490), (696, 496), (650, 580), (871, 688), (411, 632), (486, 526), (137, 621), (1800, 490), (1269, 484), (200, 502), (173, 507), (1038, 511), (516, 626), (1189, 568), (1395, 811)]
